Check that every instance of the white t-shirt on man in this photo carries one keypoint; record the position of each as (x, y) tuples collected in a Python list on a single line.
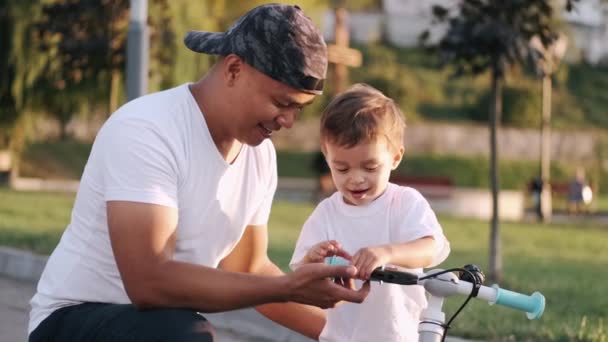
[(390, 312), (156, 149)]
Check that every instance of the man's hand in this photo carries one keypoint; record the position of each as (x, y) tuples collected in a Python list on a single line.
[(311, 284), (324, 249), (367, 259)]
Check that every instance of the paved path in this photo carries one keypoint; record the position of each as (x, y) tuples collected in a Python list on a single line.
[(14, 310)]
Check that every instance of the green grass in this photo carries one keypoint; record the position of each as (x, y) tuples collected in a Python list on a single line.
[(33, 221), (565, 262)]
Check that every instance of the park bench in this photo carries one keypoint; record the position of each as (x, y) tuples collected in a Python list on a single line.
[(559, 190), (560, 194)]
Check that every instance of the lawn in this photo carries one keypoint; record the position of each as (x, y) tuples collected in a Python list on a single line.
[(565, 262)]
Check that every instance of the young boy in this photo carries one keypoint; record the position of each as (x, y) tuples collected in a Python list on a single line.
[(378, 222)]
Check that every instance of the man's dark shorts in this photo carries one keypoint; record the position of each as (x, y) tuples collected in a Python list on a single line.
[(122, 322)]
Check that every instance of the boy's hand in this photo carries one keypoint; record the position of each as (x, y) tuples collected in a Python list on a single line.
[(324, 249), (310, 284), (367, 259)]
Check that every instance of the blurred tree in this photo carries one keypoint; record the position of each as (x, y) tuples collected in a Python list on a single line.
[(20, 65), (521, 105), (493, 35), (8, 105), (86, 40)]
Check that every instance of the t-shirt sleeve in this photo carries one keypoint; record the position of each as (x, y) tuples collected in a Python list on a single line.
[(313, 232), (262, 215), (418, 221), (137, 164)]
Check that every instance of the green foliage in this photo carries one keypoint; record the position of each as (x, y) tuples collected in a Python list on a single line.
[(425, 92), (588, 84), (493, 35), (20, 65), (521, 107), (86, 45), (382, 69)]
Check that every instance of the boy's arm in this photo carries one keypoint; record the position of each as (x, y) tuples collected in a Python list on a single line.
[(427, 245), (414, 254)]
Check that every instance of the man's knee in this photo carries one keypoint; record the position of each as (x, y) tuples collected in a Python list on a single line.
[(187, 326)]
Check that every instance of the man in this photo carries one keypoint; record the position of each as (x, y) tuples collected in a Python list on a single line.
[(170, 217)]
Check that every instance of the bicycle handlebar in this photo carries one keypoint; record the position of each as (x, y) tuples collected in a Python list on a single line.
[(533, 305)]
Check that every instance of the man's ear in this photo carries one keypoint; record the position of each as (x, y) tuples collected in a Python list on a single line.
[(232, 68), (397, 156)]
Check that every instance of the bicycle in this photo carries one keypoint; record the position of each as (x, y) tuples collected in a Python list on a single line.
[(440, 284)]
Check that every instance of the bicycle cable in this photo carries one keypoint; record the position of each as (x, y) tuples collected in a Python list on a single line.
[(474, 290)]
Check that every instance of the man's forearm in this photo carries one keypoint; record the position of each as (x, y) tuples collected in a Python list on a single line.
[(305, 319), (181, 284)]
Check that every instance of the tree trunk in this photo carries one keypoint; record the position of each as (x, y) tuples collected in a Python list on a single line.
[(63, 129), (495, 115), (340, 71), (545, 196), (114, 87), (5, 166)]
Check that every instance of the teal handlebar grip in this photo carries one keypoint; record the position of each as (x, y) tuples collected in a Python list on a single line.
[(336, 261), (533, 305)]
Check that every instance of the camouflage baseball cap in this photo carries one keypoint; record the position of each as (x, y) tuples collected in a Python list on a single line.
[(276, 39)]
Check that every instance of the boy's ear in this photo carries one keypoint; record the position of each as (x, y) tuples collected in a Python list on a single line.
[(397, 156)]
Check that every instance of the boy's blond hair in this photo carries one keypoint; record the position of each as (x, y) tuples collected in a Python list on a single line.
[(361, 114)]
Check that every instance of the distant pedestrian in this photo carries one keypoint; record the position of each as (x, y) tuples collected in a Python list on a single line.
[(536, 189), (579, 193)]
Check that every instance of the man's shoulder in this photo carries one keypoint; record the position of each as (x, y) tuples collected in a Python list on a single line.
[(153, 105)]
